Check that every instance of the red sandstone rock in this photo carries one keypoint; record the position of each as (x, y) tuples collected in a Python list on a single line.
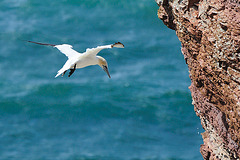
[(209, 31)]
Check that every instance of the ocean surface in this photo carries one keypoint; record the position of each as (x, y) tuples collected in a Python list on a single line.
[(143, 112)]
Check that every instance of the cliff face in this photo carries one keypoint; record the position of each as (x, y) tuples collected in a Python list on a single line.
[(209, 31)]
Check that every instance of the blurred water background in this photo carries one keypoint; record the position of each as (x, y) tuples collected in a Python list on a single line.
[(143, 113)]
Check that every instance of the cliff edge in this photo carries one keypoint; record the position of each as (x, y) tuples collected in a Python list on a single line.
[(209, 31)]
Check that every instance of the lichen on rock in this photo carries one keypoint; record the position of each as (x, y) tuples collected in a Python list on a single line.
[(209, 31)]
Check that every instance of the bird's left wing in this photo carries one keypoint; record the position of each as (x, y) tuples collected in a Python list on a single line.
[(67, 50), (95, 51), (64, 48)]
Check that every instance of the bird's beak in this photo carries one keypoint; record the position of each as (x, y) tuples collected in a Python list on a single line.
[(105, 68)]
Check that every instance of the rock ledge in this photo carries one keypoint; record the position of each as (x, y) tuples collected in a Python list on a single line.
[(209, 31)]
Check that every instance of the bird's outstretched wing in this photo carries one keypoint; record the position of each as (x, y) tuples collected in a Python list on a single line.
[(95, 51), (64, 48), (67, 50)]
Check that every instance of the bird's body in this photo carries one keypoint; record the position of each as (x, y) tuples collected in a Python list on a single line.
[(81, 60)]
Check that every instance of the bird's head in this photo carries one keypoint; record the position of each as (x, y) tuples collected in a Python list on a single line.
[(103, 64)]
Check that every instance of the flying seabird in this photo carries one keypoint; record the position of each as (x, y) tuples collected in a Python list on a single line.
[(81, 60)]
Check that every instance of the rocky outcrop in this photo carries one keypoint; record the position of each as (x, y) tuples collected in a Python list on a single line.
[(209, 31)]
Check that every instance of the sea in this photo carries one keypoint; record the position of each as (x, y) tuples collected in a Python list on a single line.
[(144, 112)]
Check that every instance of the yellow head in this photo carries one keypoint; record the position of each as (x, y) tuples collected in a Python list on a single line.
[(103, 64)]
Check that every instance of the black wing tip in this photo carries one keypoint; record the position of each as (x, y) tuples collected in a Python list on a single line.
[(117, 45), (31, 41), (46, 44)]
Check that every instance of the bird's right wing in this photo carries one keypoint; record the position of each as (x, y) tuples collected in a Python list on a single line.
[(67, 50), (95, 51)]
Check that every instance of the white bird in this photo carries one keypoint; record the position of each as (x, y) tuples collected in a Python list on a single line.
[(81, 60)]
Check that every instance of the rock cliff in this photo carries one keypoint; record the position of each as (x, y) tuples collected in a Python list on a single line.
[(209, 31)]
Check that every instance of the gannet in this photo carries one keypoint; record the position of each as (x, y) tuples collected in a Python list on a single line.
[(81, 60)]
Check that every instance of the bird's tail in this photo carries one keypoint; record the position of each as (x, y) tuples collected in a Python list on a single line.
[(65, 67), (59, 72)]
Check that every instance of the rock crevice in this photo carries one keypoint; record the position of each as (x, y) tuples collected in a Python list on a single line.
[(209, 31)]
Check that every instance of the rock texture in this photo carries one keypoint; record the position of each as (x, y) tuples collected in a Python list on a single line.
[(209, 31)]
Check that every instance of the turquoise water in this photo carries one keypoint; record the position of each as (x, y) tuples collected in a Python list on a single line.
[(143, 113)]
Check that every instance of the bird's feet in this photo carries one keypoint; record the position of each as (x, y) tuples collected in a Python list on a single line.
[(72, 70)]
